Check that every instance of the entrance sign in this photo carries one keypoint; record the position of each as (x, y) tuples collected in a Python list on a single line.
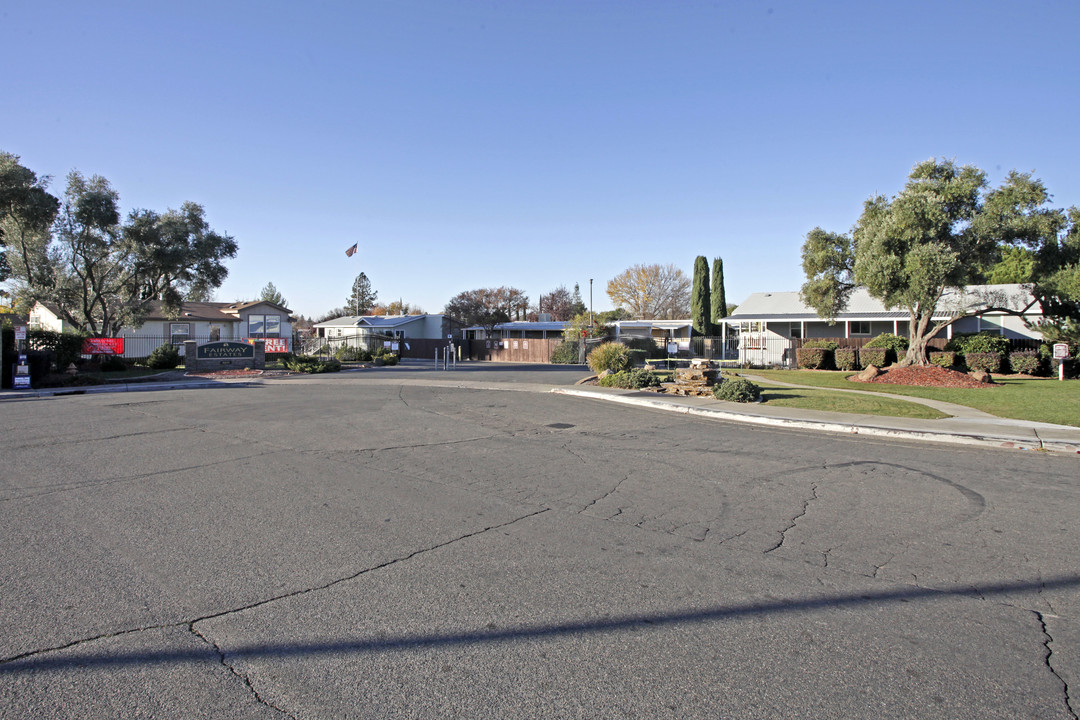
[(225, 350), (20, 332), (103, 346)]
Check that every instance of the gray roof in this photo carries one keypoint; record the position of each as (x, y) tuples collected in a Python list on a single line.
[(553, 326), (385, 321), (788, 306)]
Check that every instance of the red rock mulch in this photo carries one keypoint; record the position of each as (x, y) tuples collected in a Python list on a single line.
[(241, 372), (926, 376)]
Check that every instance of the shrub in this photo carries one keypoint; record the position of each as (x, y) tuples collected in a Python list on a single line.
[(846, 358), (878, 356), (983, 342), (565, 353), (823, 344), (384, 356), (352, 354), (66, 347), (633, 379), (813, 358), (113, 363), (944, 358), (165, 357), (988, 361), (310, 364), (738, 390), (637, 357), (1026, 362), (899, 345), (648, 345), (610, 356)]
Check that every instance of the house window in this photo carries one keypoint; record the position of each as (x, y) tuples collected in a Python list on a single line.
[(264, 326), (859, 327), (795, 331), (179, 333)]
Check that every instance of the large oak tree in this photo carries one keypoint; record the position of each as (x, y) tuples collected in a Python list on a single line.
[(651, 292), (937, 234)]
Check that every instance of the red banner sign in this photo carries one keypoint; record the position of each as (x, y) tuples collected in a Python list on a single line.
[(273, 345), (103, 346)]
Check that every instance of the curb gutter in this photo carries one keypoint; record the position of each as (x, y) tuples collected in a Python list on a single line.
[(984, 440)]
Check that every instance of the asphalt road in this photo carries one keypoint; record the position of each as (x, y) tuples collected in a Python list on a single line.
[(371, 546)]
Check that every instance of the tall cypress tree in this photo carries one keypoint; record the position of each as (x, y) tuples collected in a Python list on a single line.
[(700, 305), (719, 297)]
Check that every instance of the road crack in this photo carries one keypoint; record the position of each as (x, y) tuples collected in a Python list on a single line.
[(795, 520), (243, 678), (16, 662), (1048, 655), (609, 493)]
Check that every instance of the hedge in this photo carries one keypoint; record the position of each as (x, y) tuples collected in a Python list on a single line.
[(1026, 362), (944, 358), (988, 361), (846, 358), (877, 356), (813, 358)]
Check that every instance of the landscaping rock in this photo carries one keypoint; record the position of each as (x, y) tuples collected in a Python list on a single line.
[(981, 375), (871, 372), (604, 374)]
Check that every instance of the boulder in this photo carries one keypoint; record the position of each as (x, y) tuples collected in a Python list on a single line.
[(981, 375), (604, 374), (871, 372)]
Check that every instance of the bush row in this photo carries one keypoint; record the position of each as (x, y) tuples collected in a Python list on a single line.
[(1027, 362)]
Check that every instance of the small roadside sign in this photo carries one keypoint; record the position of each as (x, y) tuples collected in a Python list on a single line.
[(1061, 351), (20, 332)]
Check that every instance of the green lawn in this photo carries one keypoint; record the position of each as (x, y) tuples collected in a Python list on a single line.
[(832, 401), (1039, 399)]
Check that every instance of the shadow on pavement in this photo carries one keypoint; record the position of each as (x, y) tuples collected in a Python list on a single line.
[(36, 663)]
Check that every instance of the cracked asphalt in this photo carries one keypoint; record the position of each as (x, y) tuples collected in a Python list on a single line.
[(375, 546)]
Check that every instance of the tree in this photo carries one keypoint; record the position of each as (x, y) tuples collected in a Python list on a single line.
[(270, 294), (700, 301), (1057, 287), (718, 295), (559, 303), (102, 275), (400, 307), (488, 307), (934, 235), (27, 211), (578, 305), (362, 297), (651, 292)]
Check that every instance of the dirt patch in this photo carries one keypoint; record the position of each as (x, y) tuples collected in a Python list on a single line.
[(926, 376)]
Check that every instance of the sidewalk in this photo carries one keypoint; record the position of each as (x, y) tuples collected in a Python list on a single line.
[(975, 428)]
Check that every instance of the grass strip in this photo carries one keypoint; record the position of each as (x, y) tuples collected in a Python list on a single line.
[(1037, 399)]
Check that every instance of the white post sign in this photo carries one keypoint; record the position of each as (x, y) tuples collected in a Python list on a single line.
[(1061, 353), (20, 332)]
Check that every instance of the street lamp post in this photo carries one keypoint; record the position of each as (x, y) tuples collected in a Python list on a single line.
[(591, 324)]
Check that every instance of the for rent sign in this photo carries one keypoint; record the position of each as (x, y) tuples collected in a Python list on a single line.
[(273, 345), (103, 346)]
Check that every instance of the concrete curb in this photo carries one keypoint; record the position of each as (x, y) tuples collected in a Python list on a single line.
[(1002, 441), (111, 388)]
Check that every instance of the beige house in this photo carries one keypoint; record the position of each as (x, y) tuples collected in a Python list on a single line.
[(199, 321)]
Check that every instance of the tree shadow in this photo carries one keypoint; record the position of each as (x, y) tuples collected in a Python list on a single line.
[(48, 660)]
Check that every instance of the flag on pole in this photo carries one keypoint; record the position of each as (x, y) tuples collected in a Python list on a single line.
[(351, 251)]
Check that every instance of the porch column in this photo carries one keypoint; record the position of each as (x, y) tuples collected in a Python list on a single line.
[(847, 328), (895, 327), (802, 329)]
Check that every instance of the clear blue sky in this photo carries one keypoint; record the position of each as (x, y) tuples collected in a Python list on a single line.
[(534, 144)]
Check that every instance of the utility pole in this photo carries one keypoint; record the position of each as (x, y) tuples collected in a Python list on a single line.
[(591, 323)]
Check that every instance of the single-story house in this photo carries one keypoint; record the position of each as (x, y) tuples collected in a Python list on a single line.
[(659, 330), (358, 329), (768, 324), (535, 330), (199, 321)]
